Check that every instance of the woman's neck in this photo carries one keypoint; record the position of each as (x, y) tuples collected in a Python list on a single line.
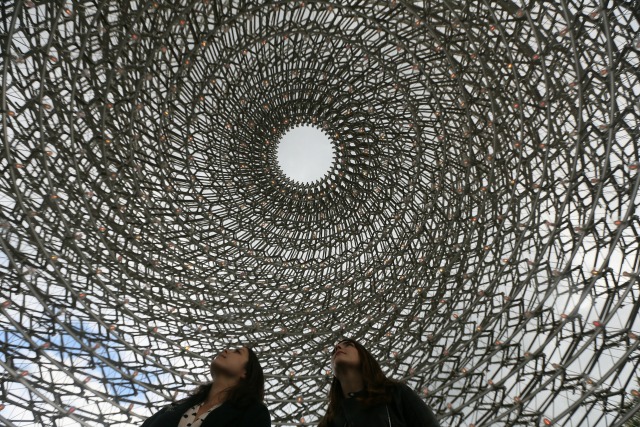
[(217, 393), (350, 381)]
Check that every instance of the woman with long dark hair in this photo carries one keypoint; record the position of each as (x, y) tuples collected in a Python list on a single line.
[(362, 396), (233, 398)]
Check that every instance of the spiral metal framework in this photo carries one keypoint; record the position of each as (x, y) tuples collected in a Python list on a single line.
[(477, 231)]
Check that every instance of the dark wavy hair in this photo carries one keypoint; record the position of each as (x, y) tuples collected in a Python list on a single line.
[(248, 391), (377, 386)]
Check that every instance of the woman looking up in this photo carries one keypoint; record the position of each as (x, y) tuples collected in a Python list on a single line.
[(233, 398), (362, 396)]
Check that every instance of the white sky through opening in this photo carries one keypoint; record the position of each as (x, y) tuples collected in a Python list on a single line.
[(305, 154)]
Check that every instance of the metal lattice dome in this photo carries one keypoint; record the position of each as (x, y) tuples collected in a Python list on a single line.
[(477, 228)]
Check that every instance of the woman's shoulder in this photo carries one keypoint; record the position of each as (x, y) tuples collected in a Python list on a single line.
[(413, 405), (259, 406), (161, 414), (171, 406), (255, 407), (256, 413), (249, 405), (402, 390), (400, 387)]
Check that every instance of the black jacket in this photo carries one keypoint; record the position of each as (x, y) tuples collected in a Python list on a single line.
[(256, 415), (406, 409)]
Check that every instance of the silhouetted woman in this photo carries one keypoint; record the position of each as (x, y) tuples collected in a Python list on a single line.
[(233, 398), (362, 396)]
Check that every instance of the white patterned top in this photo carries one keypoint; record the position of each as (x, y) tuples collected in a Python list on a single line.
[(189, 418)]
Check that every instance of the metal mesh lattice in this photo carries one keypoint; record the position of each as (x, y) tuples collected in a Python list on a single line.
[(478, 230)]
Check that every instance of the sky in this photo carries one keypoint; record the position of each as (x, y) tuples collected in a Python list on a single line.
[(305, 154)]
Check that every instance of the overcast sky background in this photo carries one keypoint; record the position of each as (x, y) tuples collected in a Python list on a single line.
[(305, 154)]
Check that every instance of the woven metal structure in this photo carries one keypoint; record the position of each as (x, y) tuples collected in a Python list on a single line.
[(478, 229)]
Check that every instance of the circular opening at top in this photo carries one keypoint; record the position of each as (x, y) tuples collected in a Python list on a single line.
[(305, 154)]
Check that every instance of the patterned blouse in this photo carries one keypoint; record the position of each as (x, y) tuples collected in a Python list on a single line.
[(189, 418)]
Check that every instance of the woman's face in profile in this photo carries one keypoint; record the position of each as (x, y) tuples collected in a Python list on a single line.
[(232, 361), (345, 352)]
